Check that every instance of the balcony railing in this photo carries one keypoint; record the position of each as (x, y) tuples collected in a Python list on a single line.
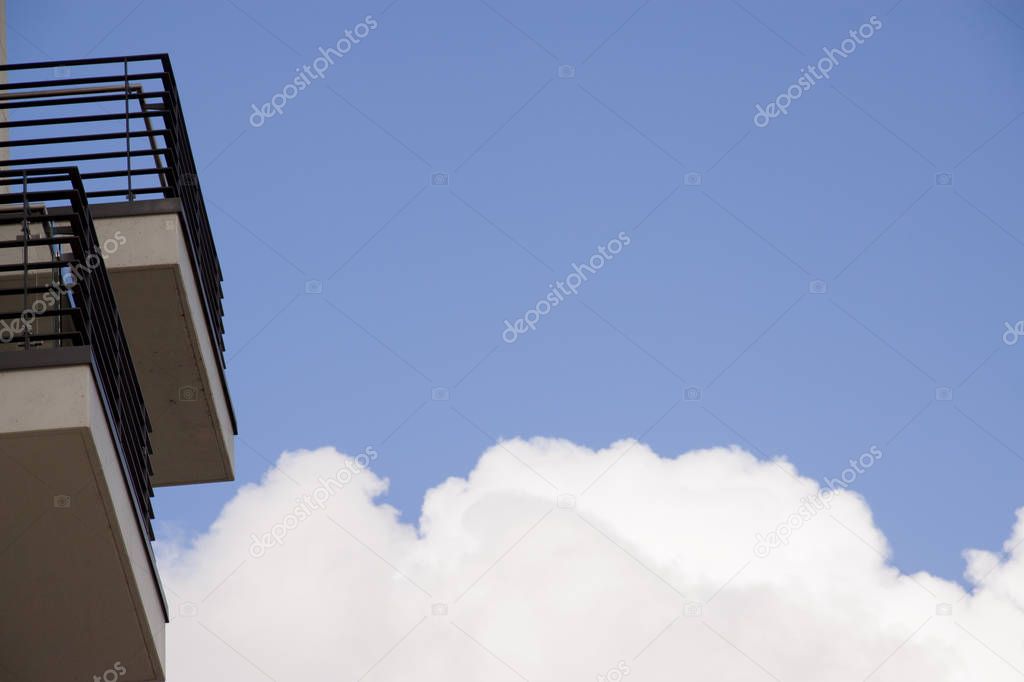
[(55, 297), (120, 121)]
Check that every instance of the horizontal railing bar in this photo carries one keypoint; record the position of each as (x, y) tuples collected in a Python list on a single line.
[(63, 336), (37, 195), (161, 189), (67, 172), (95, 156), (91, 118), (122, 173), (92, 137), (35, 99), (11, 215), (45, 313), (33, 290), (37, 241), (86, 61), (87, 80), (20, 267)]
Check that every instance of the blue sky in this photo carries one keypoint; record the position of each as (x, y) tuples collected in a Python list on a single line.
[(894, 183)]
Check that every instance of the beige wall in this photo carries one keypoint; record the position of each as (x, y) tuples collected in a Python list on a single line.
[(80, 591), (159, 302)]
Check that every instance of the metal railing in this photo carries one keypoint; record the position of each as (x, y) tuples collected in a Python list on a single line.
[(55, 294), (120, 121)]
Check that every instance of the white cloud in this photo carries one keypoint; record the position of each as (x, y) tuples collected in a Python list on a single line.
[(550, 569)]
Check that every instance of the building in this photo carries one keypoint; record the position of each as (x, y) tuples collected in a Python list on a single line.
[(111, 360)]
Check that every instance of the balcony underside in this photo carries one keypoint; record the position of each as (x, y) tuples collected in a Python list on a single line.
[(160, 307), (75, 569)]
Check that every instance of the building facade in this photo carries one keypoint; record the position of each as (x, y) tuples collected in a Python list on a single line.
[(112, 379)]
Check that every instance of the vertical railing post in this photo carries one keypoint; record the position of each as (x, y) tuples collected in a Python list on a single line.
[(128, 130), (24, 260)]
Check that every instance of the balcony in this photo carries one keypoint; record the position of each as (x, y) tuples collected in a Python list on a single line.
[(119, 120), (75, 559)]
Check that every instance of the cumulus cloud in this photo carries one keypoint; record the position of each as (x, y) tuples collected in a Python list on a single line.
[(551, 561)]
